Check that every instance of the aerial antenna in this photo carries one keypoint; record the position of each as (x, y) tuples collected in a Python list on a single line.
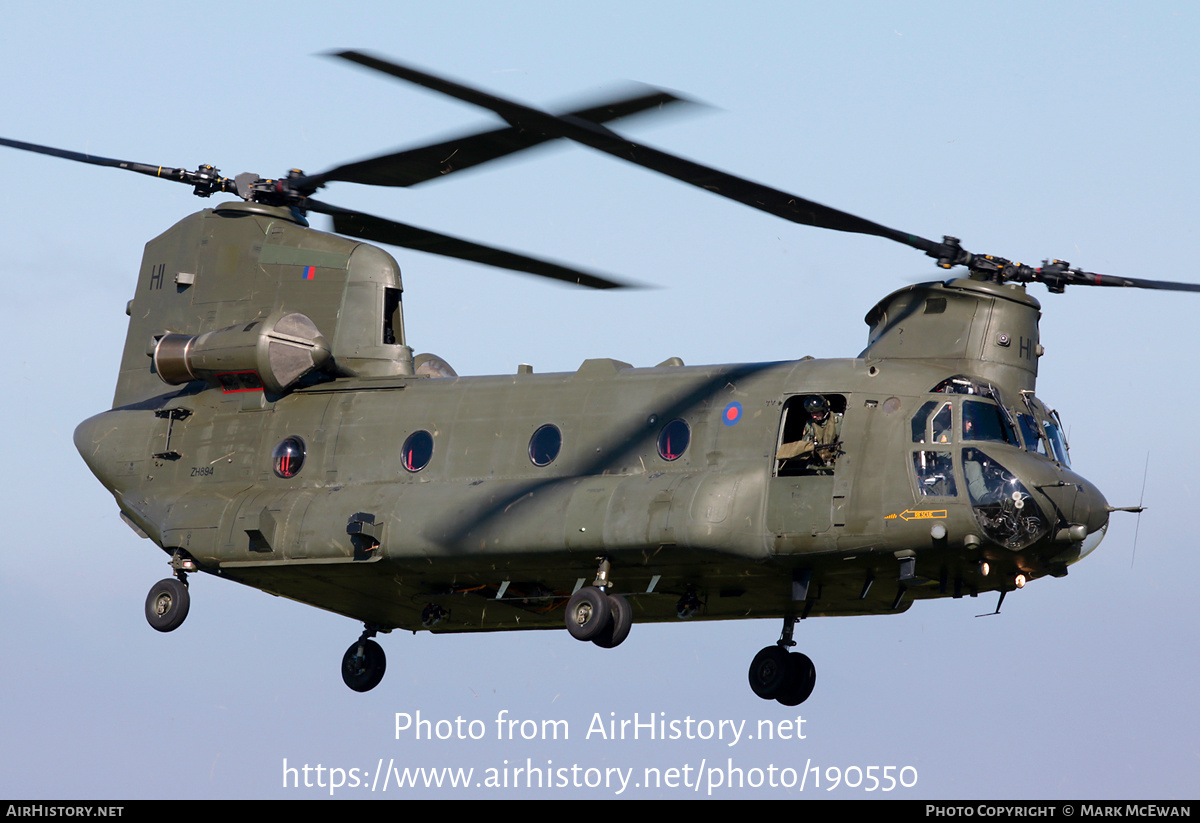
[(1140, 509), (999, 603)]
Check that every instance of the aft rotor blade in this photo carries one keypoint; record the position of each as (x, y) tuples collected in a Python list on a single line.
[(80, 157), (357, 224), (781, 204), (413, 166)]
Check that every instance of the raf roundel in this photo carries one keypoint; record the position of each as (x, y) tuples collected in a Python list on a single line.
[(732, 414)]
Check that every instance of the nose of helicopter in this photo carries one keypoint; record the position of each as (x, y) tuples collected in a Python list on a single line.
[(1091, 511), (1083, 511)]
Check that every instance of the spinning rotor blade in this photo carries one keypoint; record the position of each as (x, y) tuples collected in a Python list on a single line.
[(357, 224), (207, 180), (948, 253), (413, 166), (765, 198)]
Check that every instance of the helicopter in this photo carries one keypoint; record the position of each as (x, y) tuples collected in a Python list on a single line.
[(271, 425)]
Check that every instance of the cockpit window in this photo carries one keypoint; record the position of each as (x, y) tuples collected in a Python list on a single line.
[(919, 421), (986, 421), (935, 474), (938, 430), (1004, 508), (1031, 434), (1051, 425), (1057, 441), (943, 424)]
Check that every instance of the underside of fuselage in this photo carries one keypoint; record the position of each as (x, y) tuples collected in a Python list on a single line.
[(662, 585)]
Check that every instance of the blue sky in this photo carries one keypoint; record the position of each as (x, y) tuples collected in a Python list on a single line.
[(1028, 130)]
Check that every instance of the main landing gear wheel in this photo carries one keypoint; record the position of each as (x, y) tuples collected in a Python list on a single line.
[(777, 675), (801, 676), (363, 665), (768, 672), (167, 605), (618, 627), (588, 614)]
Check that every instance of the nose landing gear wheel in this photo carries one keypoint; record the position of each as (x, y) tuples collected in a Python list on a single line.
[(363, 665), (588, 613), (167, 605)]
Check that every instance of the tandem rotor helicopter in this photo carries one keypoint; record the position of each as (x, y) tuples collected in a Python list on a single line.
[(271, 425)]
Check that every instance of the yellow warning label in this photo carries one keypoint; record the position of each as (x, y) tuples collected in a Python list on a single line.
[(923, 515), (907, 514)]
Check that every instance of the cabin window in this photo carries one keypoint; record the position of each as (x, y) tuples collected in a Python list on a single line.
[(673, 440), (393, 320), (810, 434), (417, 451), (545, 445), (288, 457)]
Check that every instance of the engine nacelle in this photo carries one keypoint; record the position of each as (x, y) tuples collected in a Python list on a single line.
[(279, 350)]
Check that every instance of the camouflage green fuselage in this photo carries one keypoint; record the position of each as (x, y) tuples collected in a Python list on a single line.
[(498, 541)]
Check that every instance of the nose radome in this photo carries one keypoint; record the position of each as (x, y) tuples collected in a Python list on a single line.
[(1094, 509), (1091, 510)]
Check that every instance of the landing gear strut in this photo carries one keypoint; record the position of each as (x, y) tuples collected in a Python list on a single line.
[(776, 674), (364, 663), (593, 614)]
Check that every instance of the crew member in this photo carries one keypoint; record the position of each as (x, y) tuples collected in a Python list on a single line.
[(818, 443), (821, 429)]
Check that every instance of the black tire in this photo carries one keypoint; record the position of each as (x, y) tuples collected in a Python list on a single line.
[(618, 627), (167, 605), (588, 613), (362, 670), (802, 677), (769, 672)]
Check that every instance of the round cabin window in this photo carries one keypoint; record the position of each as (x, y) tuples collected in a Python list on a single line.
[(417, 451), (288, 457), (673, 440), (545, 445)]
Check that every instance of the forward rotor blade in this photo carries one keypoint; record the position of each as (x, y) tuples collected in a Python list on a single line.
[(413, 166), (357, 224), (947, 253), (1057, 275), (781, 204), (1088, 278)]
